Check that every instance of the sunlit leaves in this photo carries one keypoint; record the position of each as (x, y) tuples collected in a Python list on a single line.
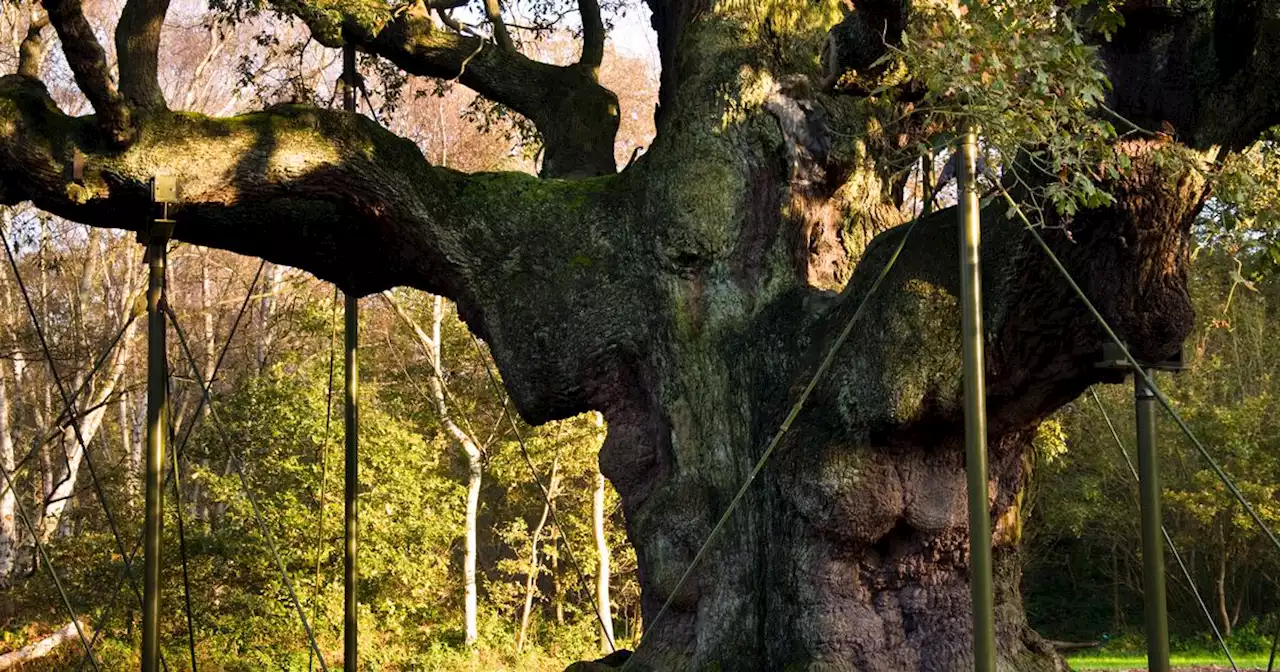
[(1243, 217), (1022, 71)]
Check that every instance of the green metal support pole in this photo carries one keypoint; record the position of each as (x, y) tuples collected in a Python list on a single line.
[(981, 585), (350, 625), (157, 426), (1153, 581)]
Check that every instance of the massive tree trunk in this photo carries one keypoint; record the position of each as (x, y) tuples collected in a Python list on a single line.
[(690, 297)]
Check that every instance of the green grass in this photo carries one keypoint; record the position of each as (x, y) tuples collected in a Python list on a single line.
[(1093, 661)]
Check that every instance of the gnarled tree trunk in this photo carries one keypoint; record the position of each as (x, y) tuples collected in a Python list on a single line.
[(690, 297)]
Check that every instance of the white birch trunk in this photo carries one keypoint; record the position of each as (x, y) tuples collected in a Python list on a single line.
[(56, 502), (9, 498), (531, 576), (602, 567), (269, 302), (475, 466)]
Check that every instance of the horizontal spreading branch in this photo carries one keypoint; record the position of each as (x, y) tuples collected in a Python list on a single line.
[(1042, 346), (337, 195)]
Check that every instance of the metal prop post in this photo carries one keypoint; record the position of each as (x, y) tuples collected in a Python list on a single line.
[(1153, 580), (156, 238), (975, 409), (350, 625)]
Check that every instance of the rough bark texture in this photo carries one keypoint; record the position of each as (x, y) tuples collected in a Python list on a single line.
[(690, 297)]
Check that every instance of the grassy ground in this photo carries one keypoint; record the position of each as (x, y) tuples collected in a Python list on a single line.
[(1093, 661)]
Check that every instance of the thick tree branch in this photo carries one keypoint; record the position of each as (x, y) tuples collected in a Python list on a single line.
[(1206, 69), (578, 118), (593, 33), (89, 65), (551, 273), (31, 51), (138, 50), (1042, 346)]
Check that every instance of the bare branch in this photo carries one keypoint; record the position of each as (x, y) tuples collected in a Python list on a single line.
[(31, 51), (447, 19), (494, 13), (592, 33), (138, 48), (89, 65)]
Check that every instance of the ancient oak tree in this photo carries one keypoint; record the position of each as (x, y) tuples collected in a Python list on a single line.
[(689, 296)]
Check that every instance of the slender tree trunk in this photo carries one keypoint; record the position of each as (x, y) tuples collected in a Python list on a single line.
[(531, 575), (556, 592), (469, 562), (1115, 590), (210, 359), (475, 459), (89, 423), (8, 500), (602, 567), (60, 498), (1235, 613), (266, 314), (474, 476), (126, 440), (1221, 589)]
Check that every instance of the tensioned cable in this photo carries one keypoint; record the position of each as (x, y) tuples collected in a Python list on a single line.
[(182, 532), (546, 494), (222, 354), (48, 562), (67, 414), (324, 466), (217, 366), (244, 484), (777, 438), (1139, 371), (75, 426), (1168, 539), (84, 385)]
